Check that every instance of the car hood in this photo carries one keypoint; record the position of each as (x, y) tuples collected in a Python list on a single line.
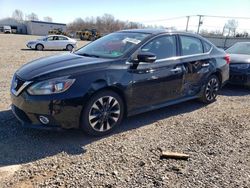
[(32, 41), (65, 63), (239, 58)]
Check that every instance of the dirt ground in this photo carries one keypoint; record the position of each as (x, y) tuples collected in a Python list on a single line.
[(14, 54), (216, 136)]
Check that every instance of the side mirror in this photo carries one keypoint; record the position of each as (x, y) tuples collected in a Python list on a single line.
[(146, 57)]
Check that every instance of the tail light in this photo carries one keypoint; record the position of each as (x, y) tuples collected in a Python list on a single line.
[(227, 58)]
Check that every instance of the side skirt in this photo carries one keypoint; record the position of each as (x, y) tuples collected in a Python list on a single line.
[(161, 105)]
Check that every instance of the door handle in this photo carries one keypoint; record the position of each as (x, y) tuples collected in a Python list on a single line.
[(205, 65), (176, 70)]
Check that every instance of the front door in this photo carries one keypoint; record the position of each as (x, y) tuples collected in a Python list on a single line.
[(49, 44), (161, 81)]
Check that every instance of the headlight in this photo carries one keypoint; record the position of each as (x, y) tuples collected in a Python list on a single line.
[(30, 43), (240, 66), (53, 86)]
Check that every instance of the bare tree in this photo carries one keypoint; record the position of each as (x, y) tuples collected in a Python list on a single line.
[(17, 15), (32, 16), (104, 24), (231, 26), (47, 19)]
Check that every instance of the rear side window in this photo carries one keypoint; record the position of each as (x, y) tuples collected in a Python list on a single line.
[(163, 47), (191, 45), (207, 47), (63, 38)]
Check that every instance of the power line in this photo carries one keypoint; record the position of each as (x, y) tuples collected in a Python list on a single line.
[(231, 17), (179, 17), (165, 19)]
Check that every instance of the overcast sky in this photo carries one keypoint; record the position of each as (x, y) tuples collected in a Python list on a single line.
[(145, 11)]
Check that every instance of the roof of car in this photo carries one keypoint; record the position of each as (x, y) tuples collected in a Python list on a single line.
[(157, 31), (56, 36), (150, 31)]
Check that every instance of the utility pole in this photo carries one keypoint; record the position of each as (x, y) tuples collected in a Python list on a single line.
[(200, 23), (187, 23)]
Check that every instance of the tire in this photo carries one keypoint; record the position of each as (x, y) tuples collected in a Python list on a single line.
[(92, 38), (69, 47), (210, 90), (39, 47), (97, 118)]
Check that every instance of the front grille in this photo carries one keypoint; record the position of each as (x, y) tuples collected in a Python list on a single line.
[(17, 83)]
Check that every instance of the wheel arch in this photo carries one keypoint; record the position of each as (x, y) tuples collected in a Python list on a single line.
[(39, 44), (218, 73), (100, 85)]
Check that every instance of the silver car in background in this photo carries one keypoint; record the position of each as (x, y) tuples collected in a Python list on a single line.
[(53, 42)]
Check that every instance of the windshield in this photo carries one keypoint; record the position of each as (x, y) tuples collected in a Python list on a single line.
[(113, 45), (239, 48)]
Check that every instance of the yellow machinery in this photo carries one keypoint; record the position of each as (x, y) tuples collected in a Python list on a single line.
[(57, 32), (88, 34)]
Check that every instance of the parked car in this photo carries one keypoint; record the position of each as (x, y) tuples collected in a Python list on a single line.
[(240, 63), (7, 29), (121, 74), (53, 42)]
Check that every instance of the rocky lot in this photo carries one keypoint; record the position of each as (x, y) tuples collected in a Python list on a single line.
[(216, 136)]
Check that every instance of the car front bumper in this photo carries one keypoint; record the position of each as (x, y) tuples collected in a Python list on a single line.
[(31, 46), (61, 113)]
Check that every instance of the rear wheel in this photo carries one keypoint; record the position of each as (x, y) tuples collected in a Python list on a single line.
[(69, 47), (39, 47), (211, 89), (102, 113)]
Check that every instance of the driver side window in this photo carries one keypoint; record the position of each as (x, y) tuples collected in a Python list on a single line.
[(163, 47)]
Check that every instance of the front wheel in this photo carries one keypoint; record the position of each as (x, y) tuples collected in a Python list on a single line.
[(39, 47), (210, 90), (103, 112)]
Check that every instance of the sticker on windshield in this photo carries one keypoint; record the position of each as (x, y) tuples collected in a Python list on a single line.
[(131, 40)]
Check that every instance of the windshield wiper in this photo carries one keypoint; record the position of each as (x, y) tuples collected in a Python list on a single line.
[(89, 55)]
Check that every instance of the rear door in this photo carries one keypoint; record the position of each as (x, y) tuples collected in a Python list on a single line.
[(196, 61), (62, 42), (161, 81)]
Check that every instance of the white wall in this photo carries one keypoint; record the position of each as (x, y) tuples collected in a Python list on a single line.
[(37, 28)]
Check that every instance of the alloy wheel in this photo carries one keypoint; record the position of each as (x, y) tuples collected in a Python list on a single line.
[(104, 113), (212, 89)]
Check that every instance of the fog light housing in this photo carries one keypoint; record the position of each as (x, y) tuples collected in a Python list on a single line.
[(44, 120)]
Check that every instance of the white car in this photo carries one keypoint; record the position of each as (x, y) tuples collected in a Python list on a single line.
[(53, 42)]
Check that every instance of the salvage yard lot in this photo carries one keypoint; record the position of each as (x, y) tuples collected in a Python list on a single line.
[(216, 136)]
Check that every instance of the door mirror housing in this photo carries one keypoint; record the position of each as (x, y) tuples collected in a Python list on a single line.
[(146, 57)]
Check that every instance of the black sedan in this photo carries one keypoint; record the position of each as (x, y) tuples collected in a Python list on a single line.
[(239, 63), (122, 74)]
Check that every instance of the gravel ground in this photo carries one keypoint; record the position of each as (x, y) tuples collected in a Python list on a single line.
[(216, 136)]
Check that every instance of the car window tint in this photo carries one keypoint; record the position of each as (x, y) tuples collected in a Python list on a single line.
[(163, 47), (207, 47), (191, 45)]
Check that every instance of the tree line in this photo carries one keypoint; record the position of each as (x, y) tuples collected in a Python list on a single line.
[(104, 24), (19, 16)]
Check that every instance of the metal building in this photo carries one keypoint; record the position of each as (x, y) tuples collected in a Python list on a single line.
[(42, 28), (16, 26)]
